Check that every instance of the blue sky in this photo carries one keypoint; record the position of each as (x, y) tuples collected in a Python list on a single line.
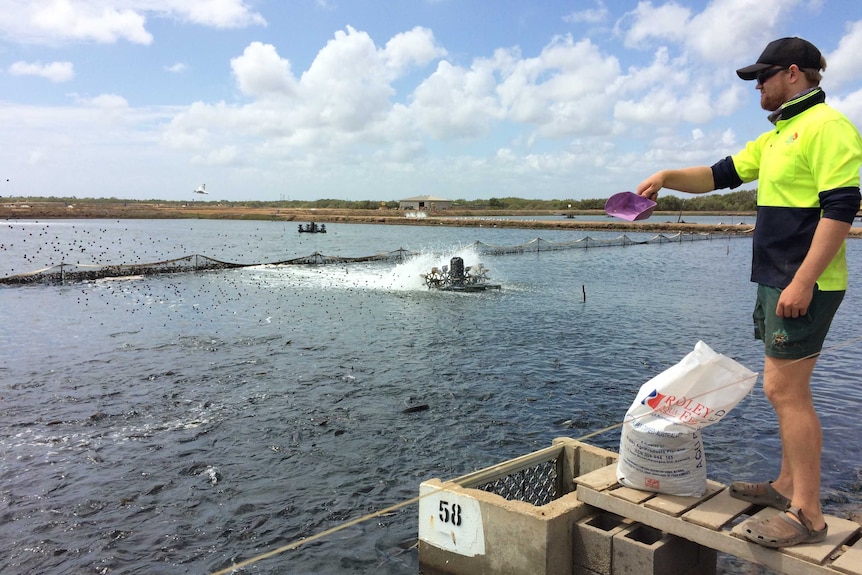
[(383, 100)]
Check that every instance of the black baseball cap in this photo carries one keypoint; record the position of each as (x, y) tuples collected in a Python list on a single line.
[(783, 52)]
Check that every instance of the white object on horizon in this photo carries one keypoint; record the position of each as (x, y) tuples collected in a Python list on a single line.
[(201, 189)]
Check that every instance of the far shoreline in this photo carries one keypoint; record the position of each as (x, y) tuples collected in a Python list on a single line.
[(119, 210)]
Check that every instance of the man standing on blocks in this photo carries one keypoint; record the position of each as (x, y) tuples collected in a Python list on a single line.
[(807, 169)]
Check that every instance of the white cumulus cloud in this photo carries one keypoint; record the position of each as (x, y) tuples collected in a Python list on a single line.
[(589, 15), (53, 22), (844, 63), (260, 71), (53, 71)]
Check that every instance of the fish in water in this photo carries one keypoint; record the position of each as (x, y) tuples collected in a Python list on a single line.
[(416, 408)]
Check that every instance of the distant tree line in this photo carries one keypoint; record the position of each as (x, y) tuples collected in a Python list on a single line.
[(741, 201)]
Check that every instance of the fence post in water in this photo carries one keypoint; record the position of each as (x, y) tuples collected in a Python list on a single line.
[(584, 291)]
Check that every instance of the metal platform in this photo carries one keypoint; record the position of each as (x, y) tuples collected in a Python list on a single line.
[(714, 520)]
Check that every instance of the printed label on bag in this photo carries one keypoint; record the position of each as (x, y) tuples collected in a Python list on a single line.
[(683, 410)]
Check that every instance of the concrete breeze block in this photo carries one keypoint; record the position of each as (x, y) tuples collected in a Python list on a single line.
[(592, 545), (643, 550)]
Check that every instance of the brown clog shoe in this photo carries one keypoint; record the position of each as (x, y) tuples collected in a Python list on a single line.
[(759, 494), (782, 531)]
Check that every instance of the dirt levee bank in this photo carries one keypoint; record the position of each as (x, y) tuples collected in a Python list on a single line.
[(207, 210)]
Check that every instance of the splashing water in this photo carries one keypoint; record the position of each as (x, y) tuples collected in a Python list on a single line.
[(404, 276), (407, 275)]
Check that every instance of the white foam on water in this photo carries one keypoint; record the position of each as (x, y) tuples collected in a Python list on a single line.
[(402, 276)]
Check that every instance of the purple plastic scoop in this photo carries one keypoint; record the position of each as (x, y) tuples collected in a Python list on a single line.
[(629, 206)]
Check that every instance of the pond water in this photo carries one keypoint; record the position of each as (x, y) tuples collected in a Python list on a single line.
[(179, 423)]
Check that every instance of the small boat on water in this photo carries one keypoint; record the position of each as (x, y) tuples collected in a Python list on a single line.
[(312, 228), (457, 277)]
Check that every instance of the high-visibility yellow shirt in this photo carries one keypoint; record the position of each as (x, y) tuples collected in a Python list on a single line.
[(807, 169)]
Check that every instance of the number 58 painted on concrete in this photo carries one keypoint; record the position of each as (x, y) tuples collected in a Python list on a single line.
[(450, 521), (453, 516)]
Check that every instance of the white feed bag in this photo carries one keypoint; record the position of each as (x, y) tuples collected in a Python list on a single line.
[(661, 447)]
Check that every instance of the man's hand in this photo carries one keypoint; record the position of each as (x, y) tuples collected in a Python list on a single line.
[(794, 300), (649, 187)]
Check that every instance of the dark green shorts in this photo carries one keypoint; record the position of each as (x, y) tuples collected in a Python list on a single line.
[(794, 338)]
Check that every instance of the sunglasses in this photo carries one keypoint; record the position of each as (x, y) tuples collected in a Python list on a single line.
[(767, 74)]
